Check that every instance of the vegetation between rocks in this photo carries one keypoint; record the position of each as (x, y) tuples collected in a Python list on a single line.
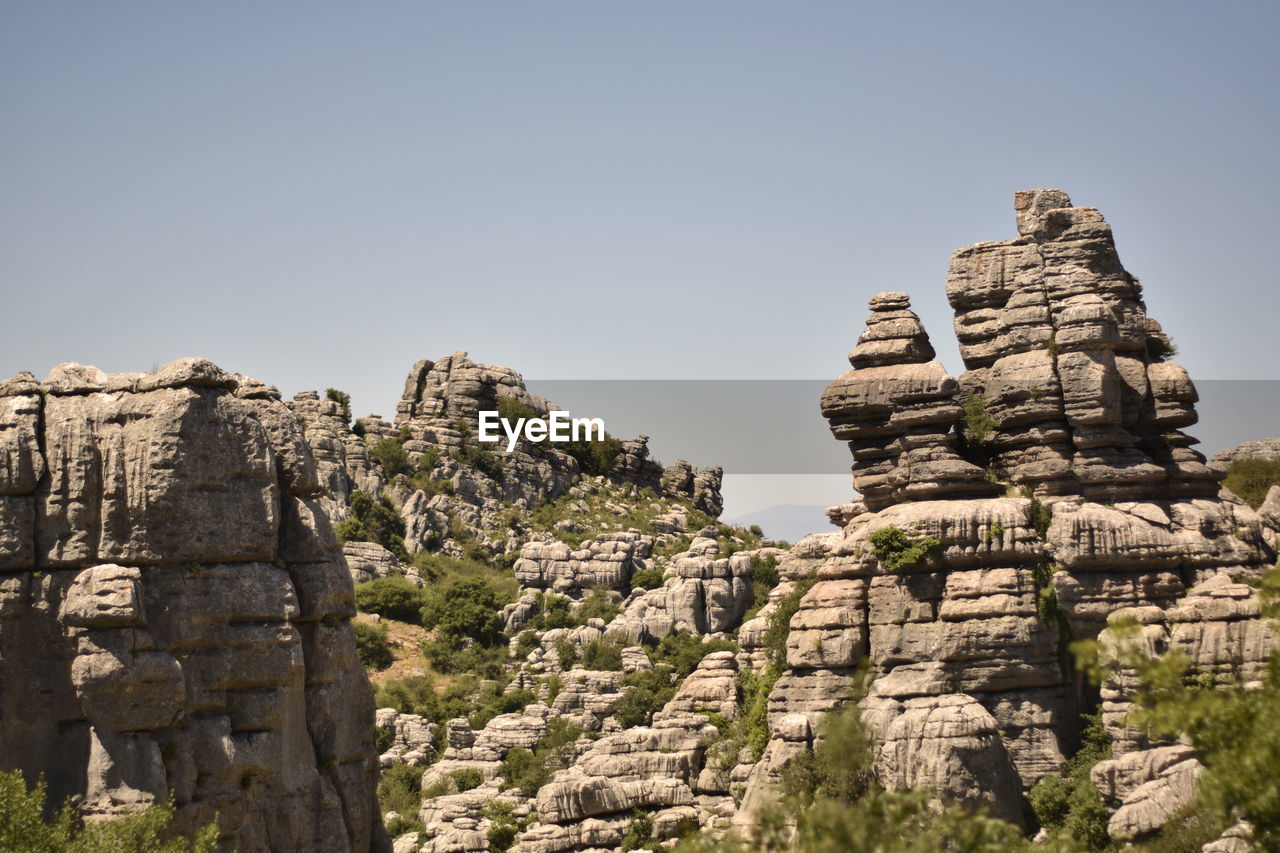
[(24, 827)]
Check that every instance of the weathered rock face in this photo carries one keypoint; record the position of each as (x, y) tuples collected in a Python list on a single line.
[(896, 409), (475, 485), (1058, 344), (960, 588), (173, 606)]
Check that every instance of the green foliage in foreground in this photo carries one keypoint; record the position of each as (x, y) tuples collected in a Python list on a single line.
[(831, 798), (1067, 804), (1251, 479), (1235, 733), (23, 828)]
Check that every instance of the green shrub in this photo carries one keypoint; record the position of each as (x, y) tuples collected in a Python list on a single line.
[(639, 832), (1041, 514), (343, 400), (393, 597), (505, 703), (24, 829), (638, 705), (503, 825), (481, 459), (526, 643), (457, 655), (898, 550), (553, 612), (390, 454), (373, 521), (441, 569), (755, 719), (467, 779), (764, 575), (756, 530), (602, 654), (595, 458), (1161, 348), (464, 608), (1069, 806), (779, 624), (512, 410), (501, 835), (371, 645), (647, 578), (529, 771), (995, 531), (598, 604), (976, 428), (400, 790), (841, 764), (519, 769), (566, 652), (555, 684), (382, 739), (1251, 479), (682, 652)]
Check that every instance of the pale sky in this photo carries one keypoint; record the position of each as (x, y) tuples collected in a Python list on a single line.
[(319, 193)]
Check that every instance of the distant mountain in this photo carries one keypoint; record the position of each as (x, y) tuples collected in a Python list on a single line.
[(787, 521)]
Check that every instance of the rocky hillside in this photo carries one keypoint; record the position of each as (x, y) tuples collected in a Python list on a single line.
[(1027, 538)]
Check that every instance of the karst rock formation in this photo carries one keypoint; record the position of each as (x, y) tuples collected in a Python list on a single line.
[(1058, 493), (174, 606)]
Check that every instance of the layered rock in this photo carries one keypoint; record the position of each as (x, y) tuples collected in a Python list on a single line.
[(659, 768), (896, 409), (1063, 357), (1266, 448), (1041, 496), (174, 605), (702, 593)]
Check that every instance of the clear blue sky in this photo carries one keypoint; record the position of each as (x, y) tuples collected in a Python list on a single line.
[(320, 193)]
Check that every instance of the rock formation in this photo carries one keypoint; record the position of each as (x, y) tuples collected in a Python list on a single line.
[(1003, 514), (174, 606), (476, 484)]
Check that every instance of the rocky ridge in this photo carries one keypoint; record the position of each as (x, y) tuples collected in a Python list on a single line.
[(1046, 493)]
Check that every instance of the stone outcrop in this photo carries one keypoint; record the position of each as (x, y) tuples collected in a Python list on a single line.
[(459, 482), (896, 409), (1266, 448), (701, 593), (174, 606), (660, 768), (1063, 357), (1046, 495)]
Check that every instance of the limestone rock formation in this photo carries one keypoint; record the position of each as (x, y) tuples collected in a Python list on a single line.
[(452, 481), (173, 607), (1046, 495)]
